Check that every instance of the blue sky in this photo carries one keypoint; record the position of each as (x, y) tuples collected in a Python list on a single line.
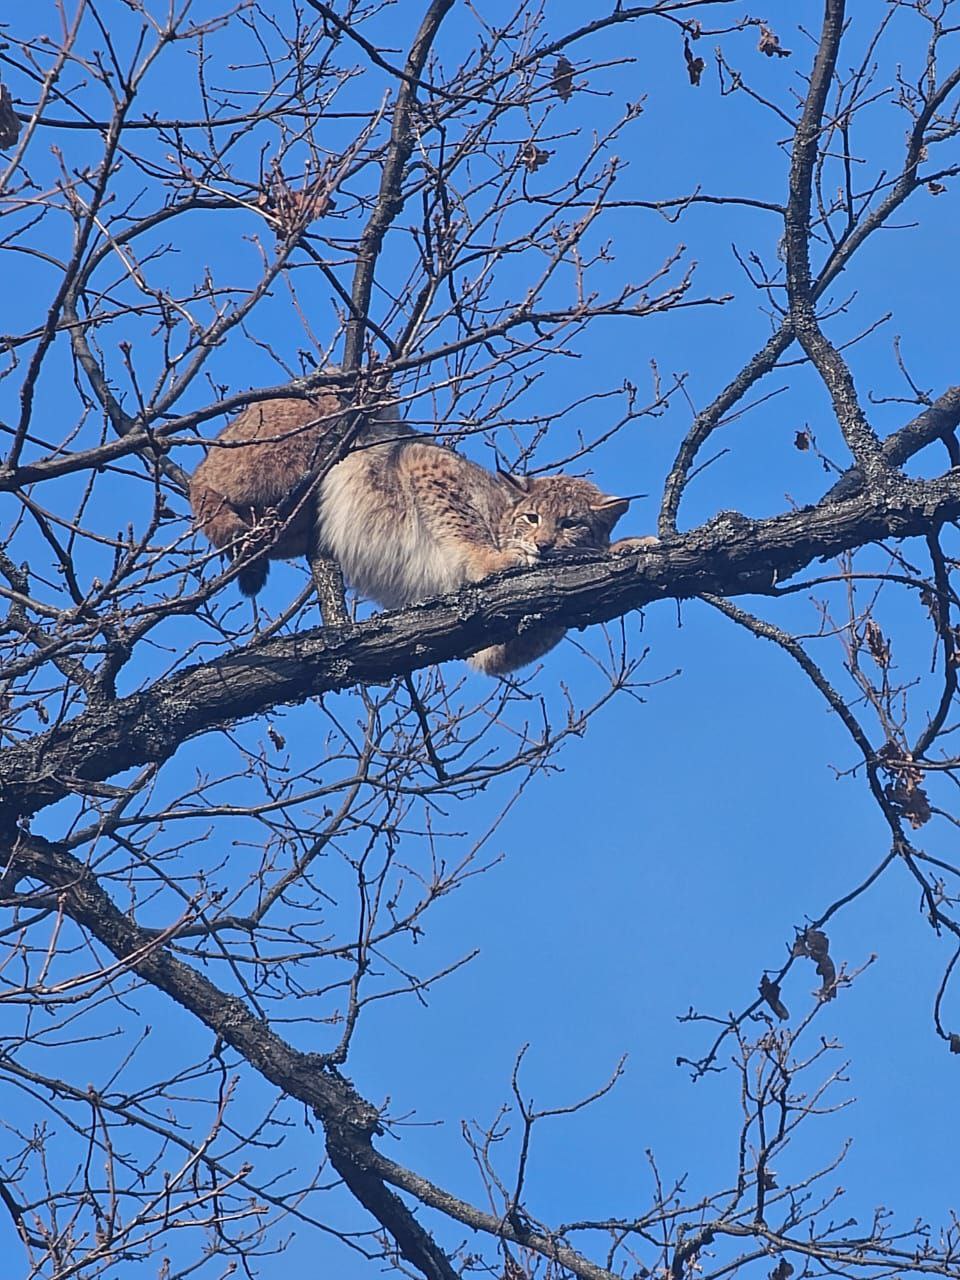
[(667, 861)]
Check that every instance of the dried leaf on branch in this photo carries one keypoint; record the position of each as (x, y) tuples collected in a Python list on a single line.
[(695, 65), (561, 82), (534, 157), (769, 43), (770, 992), (9, 121), (814, 944)]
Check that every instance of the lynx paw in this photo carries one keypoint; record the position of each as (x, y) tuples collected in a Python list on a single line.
[(499, 659), (491, 562), (492, 661), (522, 557), (627, 545)]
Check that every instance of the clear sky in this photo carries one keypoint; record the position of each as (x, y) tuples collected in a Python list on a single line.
[(666, 860)]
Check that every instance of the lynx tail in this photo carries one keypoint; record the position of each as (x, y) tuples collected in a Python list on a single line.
[(252, 576)]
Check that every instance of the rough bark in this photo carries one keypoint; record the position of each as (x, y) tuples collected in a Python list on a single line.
[(729, 556)]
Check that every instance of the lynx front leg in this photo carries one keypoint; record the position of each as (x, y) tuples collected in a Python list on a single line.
[(634, 544), (533, 643), (484, 562)]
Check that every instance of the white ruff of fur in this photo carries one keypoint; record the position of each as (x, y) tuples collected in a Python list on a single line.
[(394, 563)]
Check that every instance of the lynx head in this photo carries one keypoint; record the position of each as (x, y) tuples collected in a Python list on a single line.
[(557, 515)]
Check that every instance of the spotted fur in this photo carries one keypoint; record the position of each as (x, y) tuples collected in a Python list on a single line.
[(406, 518)]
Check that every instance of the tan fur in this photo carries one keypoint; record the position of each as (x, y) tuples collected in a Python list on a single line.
[(250, 468), (406, 518)]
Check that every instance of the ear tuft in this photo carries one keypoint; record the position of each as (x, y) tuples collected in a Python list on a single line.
[(520, 484), (611, 509)]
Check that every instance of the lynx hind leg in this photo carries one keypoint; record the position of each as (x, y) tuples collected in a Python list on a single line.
[(227, 530), (214, 516), (499, 659)]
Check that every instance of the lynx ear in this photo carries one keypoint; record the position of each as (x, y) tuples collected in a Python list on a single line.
[(611, 509), (521, 484)]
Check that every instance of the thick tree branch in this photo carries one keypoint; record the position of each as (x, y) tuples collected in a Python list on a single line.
[(766, 359), (860, 437), (389, 198), (728, 556), (349, 1121), (937, 421)]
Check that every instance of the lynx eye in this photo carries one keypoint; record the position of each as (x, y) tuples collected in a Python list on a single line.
[(531, 517), (573, 522)]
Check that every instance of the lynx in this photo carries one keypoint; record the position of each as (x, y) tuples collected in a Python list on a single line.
[(404, 517)]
